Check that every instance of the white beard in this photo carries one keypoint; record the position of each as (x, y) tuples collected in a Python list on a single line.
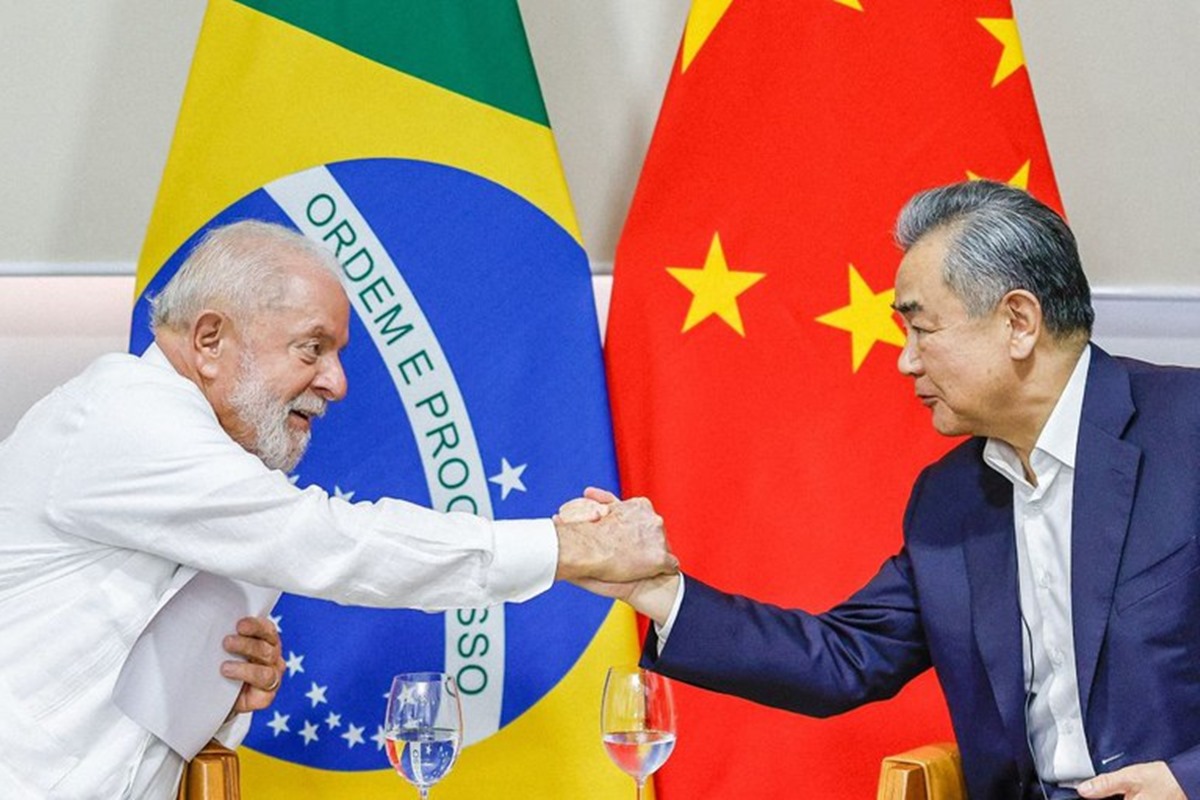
[(275, 443)]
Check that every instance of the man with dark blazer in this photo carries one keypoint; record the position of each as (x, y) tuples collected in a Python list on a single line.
[(1050, 571)]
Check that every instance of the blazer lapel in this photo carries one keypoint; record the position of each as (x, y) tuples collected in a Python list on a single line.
[(991, 556), (1105, 480)]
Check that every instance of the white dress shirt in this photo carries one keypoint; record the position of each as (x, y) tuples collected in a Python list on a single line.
[(123, 474), (1042, 520)]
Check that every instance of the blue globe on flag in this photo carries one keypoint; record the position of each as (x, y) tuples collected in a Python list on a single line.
[(476, 385)]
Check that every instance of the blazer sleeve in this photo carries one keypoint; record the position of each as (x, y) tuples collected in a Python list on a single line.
[(862, 650)]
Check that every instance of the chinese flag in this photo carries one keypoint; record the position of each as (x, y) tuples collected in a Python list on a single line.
[(751, 344)]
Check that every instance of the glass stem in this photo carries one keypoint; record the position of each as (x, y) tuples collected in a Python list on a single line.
[(424, 790), (640, 784)]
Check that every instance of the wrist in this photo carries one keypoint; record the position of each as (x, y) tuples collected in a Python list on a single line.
[(655, 597), (572, 551)]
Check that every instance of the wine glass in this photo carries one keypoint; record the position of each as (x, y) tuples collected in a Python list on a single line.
[(423, 727), (637, 721)]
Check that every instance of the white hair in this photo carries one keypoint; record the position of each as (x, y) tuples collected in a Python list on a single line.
[(239, 268)]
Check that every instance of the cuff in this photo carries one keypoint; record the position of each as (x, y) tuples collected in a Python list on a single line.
[(524, 559), (232, 732), (664, 630)]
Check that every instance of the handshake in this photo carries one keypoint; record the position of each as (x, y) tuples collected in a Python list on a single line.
[(616, 548)]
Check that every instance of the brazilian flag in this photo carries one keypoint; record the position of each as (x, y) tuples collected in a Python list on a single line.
[(410, 137)]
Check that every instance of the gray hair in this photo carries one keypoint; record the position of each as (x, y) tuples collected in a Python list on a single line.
[(239, 268), (1001, 239)]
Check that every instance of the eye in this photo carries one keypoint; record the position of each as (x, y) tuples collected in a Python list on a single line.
[(311, 350)]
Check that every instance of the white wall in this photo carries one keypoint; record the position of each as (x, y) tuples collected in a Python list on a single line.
[(50, 328), (1117, 88)]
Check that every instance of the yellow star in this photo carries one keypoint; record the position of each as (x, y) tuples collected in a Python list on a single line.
[(715, 288), (857, 6), (1019, 180), (703, 17), (1013, 57), (869, 318)]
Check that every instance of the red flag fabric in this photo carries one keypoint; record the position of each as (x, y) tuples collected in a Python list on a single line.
[(751, 345)]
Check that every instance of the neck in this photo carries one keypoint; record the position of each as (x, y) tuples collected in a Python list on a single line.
[(1039, 393), (172, 346)]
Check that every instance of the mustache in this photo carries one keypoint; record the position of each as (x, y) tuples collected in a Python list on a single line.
[(311, 405)]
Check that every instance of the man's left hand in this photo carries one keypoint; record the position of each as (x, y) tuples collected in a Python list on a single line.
[(257, 641), (1152, 781)]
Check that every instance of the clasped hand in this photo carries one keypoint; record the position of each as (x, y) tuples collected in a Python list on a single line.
[(651, 593), (605, 539)]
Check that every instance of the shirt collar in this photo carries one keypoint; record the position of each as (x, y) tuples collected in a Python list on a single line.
[(1059, 436), (155, 356)]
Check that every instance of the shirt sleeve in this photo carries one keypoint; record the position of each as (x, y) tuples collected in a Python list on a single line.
[(149, 468), (234, 731)]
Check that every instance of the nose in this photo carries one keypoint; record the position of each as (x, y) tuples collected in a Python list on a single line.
[(331, 382), (909, 362)]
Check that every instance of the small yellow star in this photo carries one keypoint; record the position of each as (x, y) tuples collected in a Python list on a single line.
[(1019, 180), (869, 318), (715, 288), (702, 19), (1013, 57), (857, 6)]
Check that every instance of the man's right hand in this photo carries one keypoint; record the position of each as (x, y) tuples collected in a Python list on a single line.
[(612, 542), (651, 595)]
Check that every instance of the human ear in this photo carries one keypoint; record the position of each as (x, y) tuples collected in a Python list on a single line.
[(1023, 317), (209, 341)]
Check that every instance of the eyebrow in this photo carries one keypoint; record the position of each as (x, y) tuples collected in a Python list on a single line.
[(329, 336), (907, 307)]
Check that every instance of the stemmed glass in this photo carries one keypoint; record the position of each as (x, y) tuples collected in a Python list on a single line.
[(637, 721), (423, 727)]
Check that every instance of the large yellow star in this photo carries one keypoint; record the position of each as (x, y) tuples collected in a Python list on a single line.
[(1019, 180), (702, 19), (869, 318), (1013, 57), (715, 288), (855, 4)]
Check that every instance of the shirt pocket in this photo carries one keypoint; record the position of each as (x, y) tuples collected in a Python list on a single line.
[(1175, 571)]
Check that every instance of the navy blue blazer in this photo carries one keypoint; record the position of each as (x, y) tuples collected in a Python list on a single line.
[(949, 600)]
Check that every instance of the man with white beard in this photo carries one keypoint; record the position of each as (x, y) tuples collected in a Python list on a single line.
[(142, 468)]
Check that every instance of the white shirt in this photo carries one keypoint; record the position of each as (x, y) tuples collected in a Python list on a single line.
[(123, 474), (1042, 521)]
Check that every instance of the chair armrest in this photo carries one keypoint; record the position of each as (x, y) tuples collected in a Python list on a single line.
[(929, 772), (212, 775)]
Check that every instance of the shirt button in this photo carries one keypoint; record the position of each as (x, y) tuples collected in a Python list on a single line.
[(1044, 580), (1057, 658)]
